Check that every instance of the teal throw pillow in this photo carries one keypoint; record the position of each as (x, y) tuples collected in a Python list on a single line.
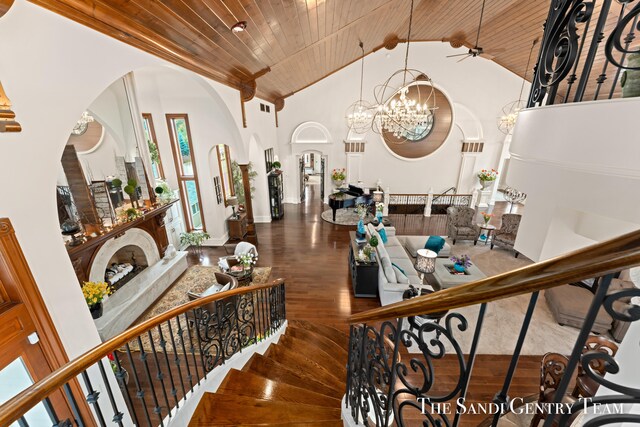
[(383, 235), (401, 270), (434, 243)]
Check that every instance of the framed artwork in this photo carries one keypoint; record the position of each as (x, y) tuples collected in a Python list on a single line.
[(216, 184)]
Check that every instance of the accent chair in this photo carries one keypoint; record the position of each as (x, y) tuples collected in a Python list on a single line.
[(461, 224), (506, 235), (552, 369)]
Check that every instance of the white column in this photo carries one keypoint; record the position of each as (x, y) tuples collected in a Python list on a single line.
[(427, 206), (504, 154), (387, 199)]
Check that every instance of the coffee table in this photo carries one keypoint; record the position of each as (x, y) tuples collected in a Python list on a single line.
[(446, 280)]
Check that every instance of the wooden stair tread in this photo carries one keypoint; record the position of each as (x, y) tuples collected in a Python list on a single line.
[(333, 334), (217, 409), (298, 362), (271, 369), (316, 353), (249, 384), (323, 342), (325, 423)]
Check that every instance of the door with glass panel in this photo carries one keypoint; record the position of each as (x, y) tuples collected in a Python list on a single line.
[(186, 170)]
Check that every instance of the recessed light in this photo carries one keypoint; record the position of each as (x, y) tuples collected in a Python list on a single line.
[(239, 27)]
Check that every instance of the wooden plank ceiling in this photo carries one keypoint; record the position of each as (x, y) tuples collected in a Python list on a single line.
[(290, 44)]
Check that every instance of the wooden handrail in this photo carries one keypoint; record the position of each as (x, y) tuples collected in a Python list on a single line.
[(17, 406), (596, 260)]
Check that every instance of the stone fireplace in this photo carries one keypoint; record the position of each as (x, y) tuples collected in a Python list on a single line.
[(124, 265)]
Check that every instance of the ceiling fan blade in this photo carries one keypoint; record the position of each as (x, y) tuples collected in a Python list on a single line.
[(468, 56), (459, 54), (488, 56)]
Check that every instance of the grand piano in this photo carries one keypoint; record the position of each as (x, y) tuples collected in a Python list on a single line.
[(348, 197)]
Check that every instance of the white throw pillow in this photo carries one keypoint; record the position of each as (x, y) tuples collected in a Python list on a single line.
[(213, 289), (225, 287), (387, 268), (400, 276)]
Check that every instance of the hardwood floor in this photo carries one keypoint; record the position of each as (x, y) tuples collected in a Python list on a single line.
[(311, 255)]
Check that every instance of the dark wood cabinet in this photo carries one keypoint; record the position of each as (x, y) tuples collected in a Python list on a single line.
[(237, 226), (364, 275), (276, 194)]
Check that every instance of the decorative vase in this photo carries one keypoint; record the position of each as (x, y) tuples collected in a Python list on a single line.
[(170, 252), (486, 184), (379, 216), (96, 310), (630, 80), (458, 267), (338, 182)]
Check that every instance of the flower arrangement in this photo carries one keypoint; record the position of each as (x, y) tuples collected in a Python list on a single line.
[(487, 217), (247, 259), (379, 207), (462, 260), (339, 174), (130, 214), (94, 292), (488, 175), (361, 210)]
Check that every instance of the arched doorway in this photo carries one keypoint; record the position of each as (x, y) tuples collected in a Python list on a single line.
[(312, 171)]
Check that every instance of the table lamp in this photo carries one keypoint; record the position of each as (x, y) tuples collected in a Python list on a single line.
[(233, 202), (378, 196), (426, 262)]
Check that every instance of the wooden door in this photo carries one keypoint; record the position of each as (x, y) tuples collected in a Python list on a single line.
[(31, 348)]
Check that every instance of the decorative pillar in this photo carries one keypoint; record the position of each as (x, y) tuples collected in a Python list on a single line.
[(252, 236), (429, 204)]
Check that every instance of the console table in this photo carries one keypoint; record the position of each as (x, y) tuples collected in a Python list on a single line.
[(364, 275), (237, 226)]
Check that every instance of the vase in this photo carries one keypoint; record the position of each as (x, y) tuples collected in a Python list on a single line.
[(458, 267), (96, 310), (338, 182), (486, 184), (379, 216), (630, 80)]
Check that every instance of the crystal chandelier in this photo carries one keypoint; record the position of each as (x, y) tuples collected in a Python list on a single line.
[(82, 124), (405, 110), (359, 113), (507, 121)]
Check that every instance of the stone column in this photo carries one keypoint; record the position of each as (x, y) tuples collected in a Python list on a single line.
[(252, 236)]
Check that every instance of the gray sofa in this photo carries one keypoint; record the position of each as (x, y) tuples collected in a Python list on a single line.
[(401, 251)]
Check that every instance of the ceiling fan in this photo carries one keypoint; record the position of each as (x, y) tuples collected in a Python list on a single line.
[(476, 50)]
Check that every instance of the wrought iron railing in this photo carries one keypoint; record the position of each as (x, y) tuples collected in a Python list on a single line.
[(585, 50), (382, 390), (156, 366), (418, 204)]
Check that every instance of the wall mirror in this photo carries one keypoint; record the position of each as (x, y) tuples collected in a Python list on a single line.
[(102, 173), (224, 163)]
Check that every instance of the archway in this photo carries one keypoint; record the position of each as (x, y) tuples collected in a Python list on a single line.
[(312, 175)]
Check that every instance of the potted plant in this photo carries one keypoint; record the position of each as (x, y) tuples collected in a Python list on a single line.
[(486, 217), (338, 176), (373, 241), (276, 165), (461, 263), (131, 189), (194, 240), (379, 210), (94, 293), (115, 192), (487, 177), (247, 260), (238, 184), (164, 192), (131, 214)]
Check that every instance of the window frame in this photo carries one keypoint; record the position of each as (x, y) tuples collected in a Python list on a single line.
[(152, 133), (232, 191), (182, 179)]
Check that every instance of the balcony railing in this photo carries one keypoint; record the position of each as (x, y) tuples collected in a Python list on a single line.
[(586, 48), (383, 388)]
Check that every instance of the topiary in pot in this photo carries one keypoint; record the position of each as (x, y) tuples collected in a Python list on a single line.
[(276, 165), (130, 189)]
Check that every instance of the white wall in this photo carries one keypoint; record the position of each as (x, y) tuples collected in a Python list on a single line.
[(478, 89), (578, 163)]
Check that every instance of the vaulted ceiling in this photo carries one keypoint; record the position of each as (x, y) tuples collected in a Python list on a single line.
[(291, 44)]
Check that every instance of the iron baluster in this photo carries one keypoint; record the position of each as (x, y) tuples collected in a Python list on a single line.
[(120, 375), (592, 313), (392, 379), (74, 405), (192, 349), (502, 397), (180, 333), (159, 374), (471, 360), (139, 390), (593, 49), (177, 360), (627, 40), (92, 398), (22, 422), (573, 77), (163, 345), (143, 358), (197, 326), (50, 411), (117, 415)]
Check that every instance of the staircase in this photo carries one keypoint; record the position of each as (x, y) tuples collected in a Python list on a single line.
[(298, 381)]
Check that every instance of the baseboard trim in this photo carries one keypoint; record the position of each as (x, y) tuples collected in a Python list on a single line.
[(293, 200), (217, 241), (262, 219)]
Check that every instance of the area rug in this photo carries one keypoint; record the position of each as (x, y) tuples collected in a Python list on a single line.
[(195, 279), (346, 216), (503, 318)]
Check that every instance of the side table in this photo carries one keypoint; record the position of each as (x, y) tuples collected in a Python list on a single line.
[(486, 230), (364, 275)]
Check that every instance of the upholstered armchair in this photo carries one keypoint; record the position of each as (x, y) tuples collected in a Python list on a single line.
[(506, 234), (553, 368), (461, 224)]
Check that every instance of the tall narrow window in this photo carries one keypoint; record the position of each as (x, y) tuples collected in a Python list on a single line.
[(186, 170), (152, 143), (224, 163)]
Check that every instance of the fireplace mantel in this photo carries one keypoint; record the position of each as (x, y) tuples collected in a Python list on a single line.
[(152, 222)]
